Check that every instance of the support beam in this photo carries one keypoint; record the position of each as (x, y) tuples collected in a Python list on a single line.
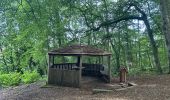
[(49, 64), (100, 60), (109, 68), (53, 60), (80, 69), (78, 61)]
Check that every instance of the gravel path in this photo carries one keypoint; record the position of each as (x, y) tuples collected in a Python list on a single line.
[(148, 88)]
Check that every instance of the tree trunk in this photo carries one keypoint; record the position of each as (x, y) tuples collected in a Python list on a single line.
[(117, 55), (153, 44), (165, 11), (128, 51)]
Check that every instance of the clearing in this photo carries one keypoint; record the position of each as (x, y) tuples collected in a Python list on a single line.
[(148, 88)]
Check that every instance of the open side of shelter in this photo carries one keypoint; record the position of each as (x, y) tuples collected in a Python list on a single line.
[(70, 74)]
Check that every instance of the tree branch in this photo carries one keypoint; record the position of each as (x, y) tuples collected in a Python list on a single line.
[(107, 23), (124, 18)]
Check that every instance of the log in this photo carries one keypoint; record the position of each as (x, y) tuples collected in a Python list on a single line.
[(129, 85), (101, 90)]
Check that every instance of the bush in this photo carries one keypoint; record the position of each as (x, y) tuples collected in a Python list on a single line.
[(29, 77), (11, 79)]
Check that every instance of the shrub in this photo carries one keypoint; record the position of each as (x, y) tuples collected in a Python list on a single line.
[(11, 79), (29, 77)]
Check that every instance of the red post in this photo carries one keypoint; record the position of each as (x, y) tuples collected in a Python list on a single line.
[(123, 72)]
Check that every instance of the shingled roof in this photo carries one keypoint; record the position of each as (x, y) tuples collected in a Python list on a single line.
[(79, 50)]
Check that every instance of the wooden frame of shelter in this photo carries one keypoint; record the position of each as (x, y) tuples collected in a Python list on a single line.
[(70, 74)]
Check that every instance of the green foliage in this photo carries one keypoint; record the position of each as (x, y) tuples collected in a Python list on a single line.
[(14, 78), (11, 79), (30, 28), (29, 77)]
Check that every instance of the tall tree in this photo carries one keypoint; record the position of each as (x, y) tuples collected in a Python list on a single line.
[(165, 9)]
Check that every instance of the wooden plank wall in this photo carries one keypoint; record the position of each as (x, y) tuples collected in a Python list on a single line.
[(63, 77)]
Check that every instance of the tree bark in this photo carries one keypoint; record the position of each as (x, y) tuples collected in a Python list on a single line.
[(165, 12)]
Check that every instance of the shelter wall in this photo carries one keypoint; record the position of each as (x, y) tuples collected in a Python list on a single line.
[(63, 77)]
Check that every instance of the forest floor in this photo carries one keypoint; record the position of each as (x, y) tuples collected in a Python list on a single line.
[(147, 88)]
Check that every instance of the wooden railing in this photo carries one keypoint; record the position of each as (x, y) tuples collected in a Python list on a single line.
[(64, 66), (87, 69)]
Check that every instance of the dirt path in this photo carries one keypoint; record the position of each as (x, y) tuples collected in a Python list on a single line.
[(148, 88)]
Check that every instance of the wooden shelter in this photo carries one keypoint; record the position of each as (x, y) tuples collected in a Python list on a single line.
[(70, 74)]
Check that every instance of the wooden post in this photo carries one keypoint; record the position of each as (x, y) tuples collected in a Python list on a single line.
[(109, 69), (53, 59), (102, 59), (100, 62), (49, 58), (78, 61), (80, 69)]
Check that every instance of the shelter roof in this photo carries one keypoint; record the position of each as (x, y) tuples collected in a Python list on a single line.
[(79, 50)]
